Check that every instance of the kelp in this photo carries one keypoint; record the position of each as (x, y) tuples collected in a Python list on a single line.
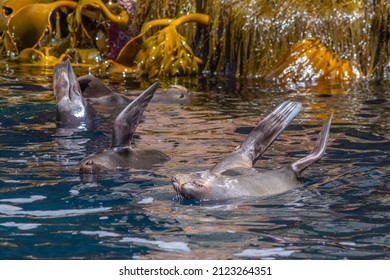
[(22, 33), (39, 57), (247, 37), (244, 38), (93, 9), (27, 26), (11, 7), (165, 53), (310, 60)]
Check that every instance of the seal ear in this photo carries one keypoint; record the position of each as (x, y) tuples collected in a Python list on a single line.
[(127, 121)]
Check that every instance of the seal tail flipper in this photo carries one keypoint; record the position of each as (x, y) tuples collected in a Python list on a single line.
[(317, 152), (260, 138), (127, 121)]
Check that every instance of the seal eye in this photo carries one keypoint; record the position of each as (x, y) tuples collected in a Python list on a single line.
[(89, 162), (181, 95)]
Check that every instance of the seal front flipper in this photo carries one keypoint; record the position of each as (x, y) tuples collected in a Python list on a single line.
[(72, 109), (127, 121), (260, 138), (317, 152)]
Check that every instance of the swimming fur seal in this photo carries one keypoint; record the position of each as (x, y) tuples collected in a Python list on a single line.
[(72, 110), (234, 176), (121, 154), (97, 93)]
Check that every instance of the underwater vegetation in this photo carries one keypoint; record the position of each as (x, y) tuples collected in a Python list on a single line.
[(276, 39)]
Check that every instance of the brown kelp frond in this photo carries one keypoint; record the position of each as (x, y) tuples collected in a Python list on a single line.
[(28, 25), (40, 57), (166, 52), (310, 60)]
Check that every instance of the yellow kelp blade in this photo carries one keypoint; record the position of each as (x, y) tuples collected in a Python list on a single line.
[(39, 57), (128, 53), (28, 25), (8, 44), (165, 53), (11, 7), (310, 60)]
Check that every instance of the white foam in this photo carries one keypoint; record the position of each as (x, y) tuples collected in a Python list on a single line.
[(23, 200), (265, 253), (17, 160), (17, 211), (166, 246), (147, 200), (21, 226)]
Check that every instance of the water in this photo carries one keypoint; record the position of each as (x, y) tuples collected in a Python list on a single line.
[(50, 211)]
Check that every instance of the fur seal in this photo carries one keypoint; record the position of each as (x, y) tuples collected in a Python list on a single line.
[(72, 110), (97, 93), (121, 155), (234, 176)]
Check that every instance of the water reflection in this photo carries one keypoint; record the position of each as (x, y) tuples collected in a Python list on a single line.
[(343, 211)]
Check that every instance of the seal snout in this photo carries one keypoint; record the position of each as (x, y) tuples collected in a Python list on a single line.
[(88, 166), (178, 182)]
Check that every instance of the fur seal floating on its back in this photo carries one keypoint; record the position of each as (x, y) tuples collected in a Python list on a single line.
[(234, 176), (121, 155)]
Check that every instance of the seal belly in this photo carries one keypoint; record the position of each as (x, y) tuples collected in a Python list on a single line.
[(263, 183)]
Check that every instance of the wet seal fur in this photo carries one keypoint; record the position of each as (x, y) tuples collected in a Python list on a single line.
[(97, 93), (121, 155), (234, 176), (72, 110)]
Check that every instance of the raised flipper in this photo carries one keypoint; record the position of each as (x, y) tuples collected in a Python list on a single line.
[(260, 138), (91, 86), (71, 108), (127, 121), (65, 83), (96, 92), (317, 152)]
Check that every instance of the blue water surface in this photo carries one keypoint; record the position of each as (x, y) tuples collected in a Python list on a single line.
[(48, 210)]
